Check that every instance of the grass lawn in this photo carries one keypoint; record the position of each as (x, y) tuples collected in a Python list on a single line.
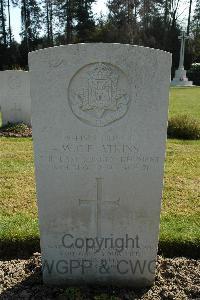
[(180, 217), (185, 100)]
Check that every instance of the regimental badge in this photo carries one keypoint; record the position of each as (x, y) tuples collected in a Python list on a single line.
[(99, 94)]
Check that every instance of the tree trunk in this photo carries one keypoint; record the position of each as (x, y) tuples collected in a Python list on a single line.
[(47, 20), (69, 22), (25, 21), (9, 25), (145, 15), (3, 23), (189, 18), (51, 22), (166, 14)]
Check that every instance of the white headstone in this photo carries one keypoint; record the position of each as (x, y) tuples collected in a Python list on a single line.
[(99, 114), (15, 97)]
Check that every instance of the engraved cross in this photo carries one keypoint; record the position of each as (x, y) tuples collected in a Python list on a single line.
[(16, 109), (99, 204)]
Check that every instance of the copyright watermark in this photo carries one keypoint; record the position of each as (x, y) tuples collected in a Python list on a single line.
[(103, 267), (97, 244)]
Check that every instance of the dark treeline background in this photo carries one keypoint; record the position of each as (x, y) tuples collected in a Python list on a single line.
[(46, 23)]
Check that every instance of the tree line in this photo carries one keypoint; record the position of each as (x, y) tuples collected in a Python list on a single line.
[(47, 23)]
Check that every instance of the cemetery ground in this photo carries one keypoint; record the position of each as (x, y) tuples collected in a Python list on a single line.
[(180, 219)]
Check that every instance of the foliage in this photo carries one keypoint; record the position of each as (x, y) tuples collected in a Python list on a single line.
[(194, 73), (48, 23), (184, 127), (195, 29), (85, 22), (73, 293), (19, 128)]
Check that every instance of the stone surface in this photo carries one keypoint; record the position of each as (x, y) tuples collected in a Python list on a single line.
[(15, 97), (99, 114), (180, 78)]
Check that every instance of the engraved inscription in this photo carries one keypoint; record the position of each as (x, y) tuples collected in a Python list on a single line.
[(99, 94), (99, 203), (111, 152)]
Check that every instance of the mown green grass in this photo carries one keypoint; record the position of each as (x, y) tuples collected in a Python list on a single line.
[(185, 100), (180, 217)]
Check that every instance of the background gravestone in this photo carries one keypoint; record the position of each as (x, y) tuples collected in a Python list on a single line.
[(15, 97), (99, 114)]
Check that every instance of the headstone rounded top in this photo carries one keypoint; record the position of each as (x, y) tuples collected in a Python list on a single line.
[(90, 45)]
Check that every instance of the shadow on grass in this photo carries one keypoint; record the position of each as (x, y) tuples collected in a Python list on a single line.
[(18, 249), (22, 249), (171, 249)]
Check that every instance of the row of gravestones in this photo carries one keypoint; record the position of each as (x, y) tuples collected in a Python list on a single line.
[(15, 100), (99, 118)]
